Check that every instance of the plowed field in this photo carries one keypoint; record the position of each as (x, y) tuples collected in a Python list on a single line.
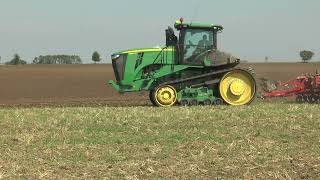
[(85, 85)]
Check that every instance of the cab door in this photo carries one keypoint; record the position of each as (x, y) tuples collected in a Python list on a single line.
[(198, 47)]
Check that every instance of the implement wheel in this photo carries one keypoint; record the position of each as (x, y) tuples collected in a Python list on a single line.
[(238, 87), (164, 96)]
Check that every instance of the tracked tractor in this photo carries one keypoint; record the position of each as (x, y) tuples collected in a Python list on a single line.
[(189, 70)]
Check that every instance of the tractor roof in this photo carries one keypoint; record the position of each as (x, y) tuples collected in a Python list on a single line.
[(180, 25)]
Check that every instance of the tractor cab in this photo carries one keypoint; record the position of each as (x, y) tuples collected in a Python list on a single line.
[(196, 44)]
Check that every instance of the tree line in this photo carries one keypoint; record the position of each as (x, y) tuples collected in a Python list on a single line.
[(57, 59), (53, 59), (305, 55)]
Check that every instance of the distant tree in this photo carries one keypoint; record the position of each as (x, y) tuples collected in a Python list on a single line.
[(306, 55), (96, 57), (57, 59), (35, 60), (16, 60)]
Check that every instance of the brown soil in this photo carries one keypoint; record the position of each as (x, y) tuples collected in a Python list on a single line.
[(85, 85)]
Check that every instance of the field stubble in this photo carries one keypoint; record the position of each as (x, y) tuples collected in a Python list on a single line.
[(264, 140)]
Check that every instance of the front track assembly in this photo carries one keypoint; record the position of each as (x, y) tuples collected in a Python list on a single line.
[(227, 86)]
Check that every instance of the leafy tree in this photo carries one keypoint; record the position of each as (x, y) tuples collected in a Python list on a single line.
[(57, 59), (35, 60), (306, 55), (96, 57), (16, 60)]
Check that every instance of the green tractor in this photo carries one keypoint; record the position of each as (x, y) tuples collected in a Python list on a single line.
[(189, 70)]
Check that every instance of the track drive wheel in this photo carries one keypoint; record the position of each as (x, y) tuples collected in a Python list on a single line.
[(194, 102), (207, 102), (164, 96), (238, 87), (218, 102), (184, 102)]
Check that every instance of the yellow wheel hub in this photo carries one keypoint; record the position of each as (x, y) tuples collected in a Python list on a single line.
[(166, 96), (237, 87)]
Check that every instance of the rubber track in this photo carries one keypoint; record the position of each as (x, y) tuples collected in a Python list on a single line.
[(199, 76), (217, 72)]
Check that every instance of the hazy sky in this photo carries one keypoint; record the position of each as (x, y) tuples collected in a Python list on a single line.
[(253, 28)]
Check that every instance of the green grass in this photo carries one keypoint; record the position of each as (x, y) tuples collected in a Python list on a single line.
[(264, 140)]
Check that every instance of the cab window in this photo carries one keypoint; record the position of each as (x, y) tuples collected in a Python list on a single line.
[(196, 44)]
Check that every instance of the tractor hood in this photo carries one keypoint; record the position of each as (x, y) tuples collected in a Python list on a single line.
[(142, 50)]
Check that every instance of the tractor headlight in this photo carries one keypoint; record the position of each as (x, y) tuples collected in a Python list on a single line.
[(115, 56)]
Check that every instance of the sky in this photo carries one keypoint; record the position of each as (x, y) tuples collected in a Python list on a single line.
[(254, 29)]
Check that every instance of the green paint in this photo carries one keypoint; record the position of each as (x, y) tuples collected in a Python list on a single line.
[(200, 94), (143, 50)]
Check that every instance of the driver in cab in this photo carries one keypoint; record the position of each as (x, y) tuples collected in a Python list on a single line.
[(203, 45)]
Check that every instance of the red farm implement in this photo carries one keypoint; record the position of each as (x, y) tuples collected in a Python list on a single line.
[(305, 88)]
